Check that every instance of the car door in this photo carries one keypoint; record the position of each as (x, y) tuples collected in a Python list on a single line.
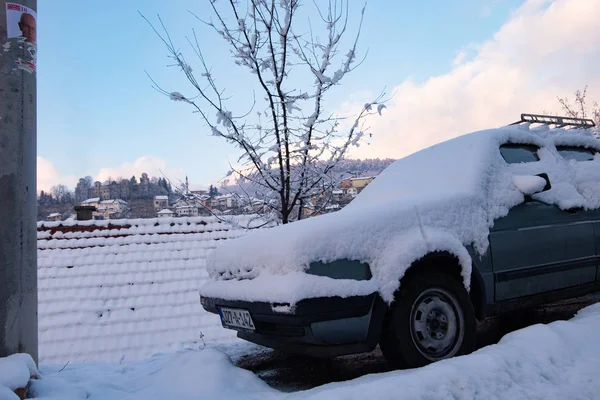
[(595, 218), (597, 230), (583, 155), (539, 248)]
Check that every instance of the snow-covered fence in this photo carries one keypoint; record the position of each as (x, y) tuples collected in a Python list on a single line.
[(126, 288)]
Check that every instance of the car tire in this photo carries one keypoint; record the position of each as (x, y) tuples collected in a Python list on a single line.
[(431, 319)]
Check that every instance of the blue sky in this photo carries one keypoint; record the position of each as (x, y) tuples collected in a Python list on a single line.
[(97, 112)]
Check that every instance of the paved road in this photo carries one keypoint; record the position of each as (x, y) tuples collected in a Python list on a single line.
[(292, 373)]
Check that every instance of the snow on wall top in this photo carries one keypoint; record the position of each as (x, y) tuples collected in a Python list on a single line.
[(126, 288), (439, 199)]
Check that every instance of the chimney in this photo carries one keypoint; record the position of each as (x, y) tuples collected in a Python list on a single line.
[(84, 213)]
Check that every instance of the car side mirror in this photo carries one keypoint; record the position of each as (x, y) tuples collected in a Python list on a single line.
[(548, 186), (532, 184)]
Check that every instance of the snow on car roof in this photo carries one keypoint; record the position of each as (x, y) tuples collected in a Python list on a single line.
[(439, 199), (125, 288)]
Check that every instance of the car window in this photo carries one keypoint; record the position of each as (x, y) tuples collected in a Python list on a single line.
[(575, 153), (519, 153)]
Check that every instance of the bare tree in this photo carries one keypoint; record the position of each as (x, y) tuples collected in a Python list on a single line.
[(62, 193), (579, 108), (293, 144)]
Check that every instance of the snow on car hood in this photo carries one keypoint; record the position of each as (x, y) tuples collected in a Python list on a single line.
[(439, 199)]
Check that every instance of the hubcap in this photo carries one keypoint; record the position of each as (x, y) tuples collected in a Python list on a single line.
[(437, 324)]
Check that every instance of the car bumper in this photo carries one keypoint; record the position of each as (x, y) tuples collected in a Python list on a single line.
[(320, 327)]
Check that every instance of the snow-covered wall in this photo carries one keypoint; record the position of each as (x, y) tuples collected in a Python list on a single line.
[(126, 288)]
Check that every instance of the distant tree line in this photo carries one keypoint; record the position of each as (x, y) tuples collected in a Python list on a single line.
[(213, 191), (126, 189), (58, 194), (148, 187)]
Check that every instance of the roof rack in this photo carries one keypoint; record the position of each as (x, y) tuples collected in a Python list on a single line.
[(560, 122)]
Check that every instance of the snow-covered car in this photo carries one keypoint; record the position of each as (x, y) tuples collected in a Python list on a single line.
[(484, 223)]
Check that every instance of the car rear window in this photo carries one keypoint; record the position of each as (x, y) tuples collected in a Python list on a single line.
[(519, 153), (575, 153)]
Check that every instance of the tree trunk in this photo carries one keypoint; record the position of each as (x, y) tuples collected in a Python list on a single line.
[(300, 209)]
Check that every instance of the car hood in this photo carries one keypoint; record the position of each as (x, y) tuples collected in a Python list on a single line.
[(341, 235)]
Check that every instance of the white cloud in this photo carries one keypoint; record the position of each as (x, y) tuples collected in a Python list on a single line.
[(460, 57), (153, 166), (545, 49), (48, 176)]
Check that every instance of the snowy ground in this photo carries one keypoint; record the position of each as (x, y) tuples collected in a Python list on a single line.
[(560, 360), (291, 373)]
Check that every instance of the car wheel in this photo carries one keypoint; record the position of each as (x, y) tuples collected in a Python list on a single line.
[(431, 319)]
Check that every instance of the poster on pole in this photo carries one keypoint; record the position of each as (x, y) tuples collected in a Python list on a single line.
[(21, 31)]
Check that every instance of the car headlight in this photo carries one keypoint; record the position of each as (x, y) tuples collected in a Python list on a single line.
[(341, 269)]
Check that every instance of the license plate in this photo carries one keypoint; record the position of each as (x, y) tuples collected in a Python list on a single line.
[(235, 318)]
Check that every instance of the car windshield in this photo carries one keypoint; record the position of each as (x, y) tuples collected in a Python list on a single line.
[(446, 169)]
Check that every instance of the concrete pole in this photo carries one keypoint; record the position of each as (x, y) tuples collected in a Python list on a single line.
[(18, 197)]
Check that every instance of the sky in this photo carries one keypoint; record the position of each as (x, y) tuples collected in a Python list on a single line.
[(452, 68)]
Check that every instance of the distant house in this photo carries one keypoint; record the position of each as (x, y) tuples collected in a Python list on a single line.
[(212, 202), (111, 209), (54, 217), (186, 211), (309, 208), (358, 183), (227, 201), (182, 202), (104, 190), (165, 213), (93, 202), (188, 199), (332, 207), (351, 192), (337, 195), (161, 202), (254, 205)]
